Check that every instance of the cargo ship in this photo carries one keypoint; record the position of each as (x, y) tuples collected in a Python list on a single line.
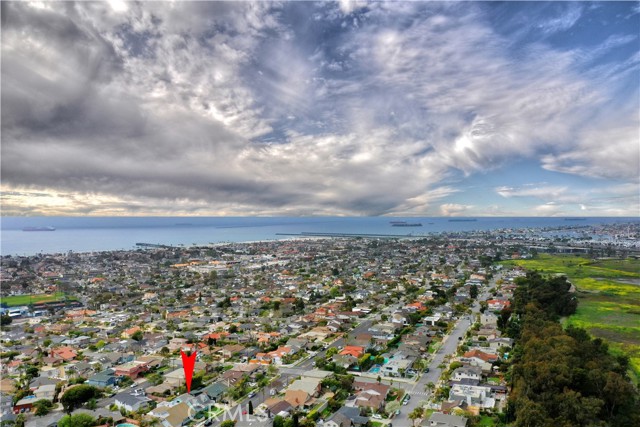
[(405, 224), (39, 229)]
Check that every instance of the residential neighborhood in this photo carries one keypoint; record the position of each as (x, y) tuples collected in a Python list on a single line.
[(334, 332)]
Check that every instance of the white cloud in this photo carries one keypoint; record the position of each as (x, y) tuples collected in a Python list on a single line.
[(532, 190), (454, 209), (236, 108), (603, 153)]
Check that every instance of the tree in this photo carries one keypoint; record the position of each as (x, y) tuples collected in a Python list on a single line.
[(43, 406), (416, 413), (473, 291), (20, 419), (77, 420), (137, 335), (228, 423), (278, 421), (5, 319), (392, 406), (332, 351), (92, 403), (76, 396), (155, 378)]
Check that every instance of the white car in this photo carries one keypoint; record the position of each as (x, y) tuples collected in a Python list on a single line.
[(376, 416)]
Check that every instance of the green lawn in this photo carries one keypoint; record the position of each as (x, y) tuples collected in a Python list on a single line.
[(609, 299), (16, 300), (486, 421)]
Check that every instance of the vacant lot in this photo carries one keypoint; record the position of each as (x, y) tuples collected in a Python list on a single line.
[(609, 298)]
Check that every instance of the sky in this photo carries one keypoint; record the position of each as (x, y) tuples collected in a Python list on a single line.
[(307, 109)]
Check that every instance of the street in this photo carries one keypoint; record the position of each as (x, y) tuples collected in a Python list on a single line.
[(417, 390)]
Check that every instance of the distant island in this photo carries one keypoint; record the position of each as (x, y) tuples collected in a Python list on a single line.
[(462, 220)]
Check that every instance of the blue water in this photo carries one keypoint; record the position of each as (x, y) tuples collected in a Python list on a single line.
[(85, 234)]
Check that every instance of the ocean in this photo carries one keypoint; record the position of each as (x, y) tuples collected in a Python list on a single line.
[(88, 234)]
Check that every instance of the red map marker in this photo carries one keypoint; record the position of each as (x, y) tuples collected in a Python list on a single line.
[(188, 362)]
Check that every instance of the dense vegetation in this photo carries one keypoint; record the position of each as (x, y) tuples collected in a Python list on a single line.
[(608, 299), (563, 377)]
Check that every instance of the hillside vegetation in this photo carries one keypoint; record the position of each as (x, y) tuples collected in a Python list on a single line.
[(608, 293)]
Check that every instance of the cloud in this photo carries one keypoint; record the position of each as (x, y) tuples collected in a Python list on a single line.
[(611, 200), (563, 22), (603, 153), (549, 209), (532, 190), (232, 108), (454, 209)]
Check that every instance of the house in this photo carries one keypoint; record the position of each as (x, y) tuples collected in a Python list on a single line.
[(498, 305), (433, 319), (311, 386), (131, 402), (478, 357), (25, 404), (397, 365), (474, 395), (399, 319), (177, 344), (344, 360), (364, 340), (49, 420), (230, 350), (438, 419), (353, 350), (372, 396), (173, 416), (64, 353), (278, 354), (128, 333), (46, 392), (231, 377), (346, 417), (467, 372), (489, 318), (496, 343), (131, 369), (215, 391), (103, 379), (6, 408), (296, 398), (278, 407)]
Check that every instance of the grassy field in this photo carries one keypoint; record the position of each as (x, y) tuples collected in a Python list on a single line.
[(17, 300), (609, 299)]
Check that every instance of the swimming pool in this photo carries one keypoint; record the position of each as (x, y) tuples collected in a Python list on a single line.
[(375, 369), (126, 425)]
